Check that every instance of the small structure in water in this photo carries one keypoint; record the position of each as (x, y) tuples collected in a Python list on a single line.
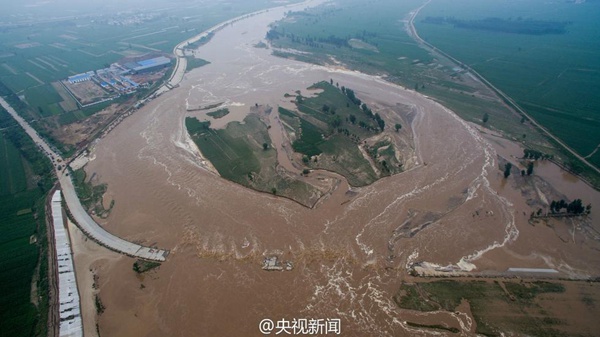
[(272, 263)]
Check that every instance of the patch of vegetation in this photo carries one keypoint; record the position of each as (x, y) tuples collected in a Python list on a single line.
[(99, 306), (383, 154), (12, 173), (142, 266), (574, 207), (434, 326), (262, 45), (527, 292), (485, 299), (408, 298), (239, 154), (91, 195), (538, 76), (493, 24), (25, 178), (38, 162), (34, 55), (329, 128), (193, 63), (202, 41), (218, 113)]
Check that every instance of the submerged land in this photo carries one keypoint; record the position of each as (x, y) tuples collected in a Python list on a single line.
[(405, 194)]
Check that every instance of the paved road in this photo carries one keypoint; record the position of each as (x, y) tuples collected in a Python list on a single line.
[(83, 219), (181, 60), (92, 229)]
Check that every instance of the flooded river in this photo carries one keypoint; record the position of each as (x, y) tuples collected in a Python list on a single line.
[(350, 253)]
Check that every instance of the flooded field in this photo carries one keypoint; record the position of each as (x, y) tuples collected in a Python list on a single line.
[(452, 209)]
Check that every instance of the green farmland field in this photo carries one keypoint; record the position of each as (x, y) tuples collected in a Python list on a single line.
[(25, 177), (12, 174), (18, 316), (34, 55), (242, 153), (554, 77)]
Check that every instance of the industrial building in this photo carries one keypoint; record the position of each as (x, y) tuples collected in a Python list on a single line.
[(147, 65), (81, 77)]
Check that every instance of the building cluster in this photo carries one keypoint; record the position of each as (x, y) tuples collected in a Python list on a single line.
[(117, 76), (115, 80)]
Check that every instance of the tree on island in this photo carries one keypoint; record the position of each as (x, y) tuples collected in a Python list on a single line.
[(507, 169), (574, 207), (265, 146), (486, 117), (529, 168), (379, 121), (398, 126)]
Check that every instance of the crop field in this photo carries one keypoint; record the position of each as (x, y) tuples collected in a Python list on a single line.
[(535, 308), (553, 85), (220, 113), (232, 155), (242, 153), (35, 55), (45, 99), (554, 77), (18, 315), (19, 259), (328, 30), (25, 176), (12, 174)]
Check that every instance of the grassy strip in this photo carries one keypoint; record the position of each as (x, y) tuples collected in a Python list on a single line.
[(141, 266), (90, 194), (434, 326), (193, 63), (219, 113), (242, 153), (483, 297)]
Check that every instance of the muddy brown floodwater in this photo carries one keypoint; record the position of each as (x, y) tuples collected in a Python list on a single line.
[(350, 253)]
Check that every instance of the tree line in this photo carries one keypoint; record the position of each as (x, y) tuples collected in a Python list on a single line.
[(363, 106), (574, 207)]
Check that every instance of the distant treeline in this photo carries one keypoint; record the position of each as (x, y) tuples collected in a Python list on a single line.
[(518, 26), (314, 42)]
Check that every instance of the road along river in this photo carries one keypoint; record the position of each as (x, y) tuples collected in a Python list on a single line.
[(84, 221), (452, 210)]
